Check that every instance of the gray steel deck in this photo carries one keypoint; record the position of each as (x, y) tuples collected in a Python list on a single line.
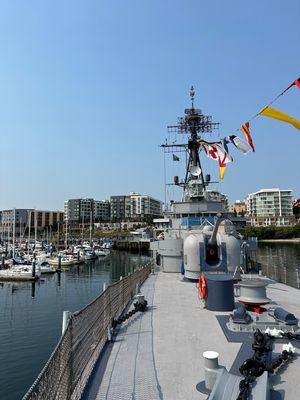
[(158, 354)]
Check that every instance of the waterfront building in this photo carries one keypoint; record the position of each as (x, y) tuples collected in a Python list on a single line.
[(23, 219), (101, 210), (43, 219), (270, 207), (296, 209), (86, 211), (17, 217), (143, 208), (117, 208), (239, 208), (134, 207)]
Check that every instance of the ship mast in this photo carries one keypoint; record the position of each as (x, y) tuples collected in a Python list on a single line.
[(194, 123)]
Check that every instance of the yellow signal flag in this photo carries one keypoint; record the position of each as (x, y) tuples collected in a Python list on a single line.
[(276, 114), (222, 172)]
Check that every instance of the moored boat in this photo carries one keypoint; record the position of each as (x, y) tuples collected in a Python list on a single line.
[(20, 272), (45, 268), (102, 252), (62, 261)]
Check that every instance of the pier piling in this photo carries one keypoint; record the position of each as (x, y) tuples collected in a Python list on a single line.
[(33, 267)]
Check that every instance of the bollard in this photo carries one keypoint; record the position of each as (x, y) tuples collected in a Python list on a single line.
[(3, 261), (104, 286), (59, 261), (66, 317), (211, 366), (137, 288), (140, 298), (152, 269)]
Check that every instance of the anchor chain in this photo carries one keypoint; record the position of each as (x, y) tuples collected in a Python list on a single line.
[(290, 335), (254, 367), (137, 307), (278, 361)]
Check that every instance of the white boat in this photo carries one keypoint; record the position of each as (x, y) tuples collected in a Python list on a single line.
[(20, 272), (102, 252), (47, 269), (78, 260), (90, 255), (78, 255), (65, 261)]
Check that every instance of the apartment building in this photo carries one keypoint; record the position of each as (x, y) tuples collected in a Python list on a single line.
[(270, 207), (85, 211), (134, 206), (22, 219), (239, 207)]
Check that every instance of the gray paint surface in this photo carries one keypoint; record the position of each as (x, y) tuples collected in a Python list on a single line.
[(158, 354)]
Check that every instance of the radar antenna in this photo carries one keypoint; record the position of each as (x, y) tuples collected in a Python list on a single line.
[(194, 123)]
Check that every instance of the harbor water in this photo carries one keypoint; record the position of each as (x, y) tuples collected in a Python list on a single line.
[(280, 261), (31, 315)]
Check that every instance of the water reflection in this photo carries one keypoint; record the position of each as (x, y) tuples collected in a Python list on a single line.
[(280, 261), (31, 315)]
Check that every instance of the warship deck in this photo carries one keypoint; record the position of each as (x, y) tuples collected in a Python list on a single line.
[(158, 354)]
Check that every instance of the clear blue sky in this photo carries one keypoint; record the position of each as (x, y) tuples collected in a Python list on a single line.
[(87, 89)]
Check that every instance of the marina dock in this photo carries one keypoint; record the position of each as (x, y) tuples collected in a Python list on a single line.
[(10, 278), (159, 354), (132, 246)]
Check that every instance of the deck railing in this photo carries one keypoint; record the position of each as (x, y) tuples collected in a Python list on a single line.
[(66, 373)]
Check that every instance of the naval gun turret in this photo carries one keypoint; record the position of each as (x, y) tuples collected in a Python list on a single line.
[(212, 249)]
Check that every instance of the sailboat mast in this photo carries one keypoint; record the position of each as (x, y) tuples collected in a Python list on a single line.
[(66, 240), (91, 227), (35, 229), (58, 237), (29, 228), (14, 233)]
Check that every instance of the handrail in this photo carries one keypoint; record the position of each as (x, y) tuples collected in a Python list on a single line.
[(69, 367)]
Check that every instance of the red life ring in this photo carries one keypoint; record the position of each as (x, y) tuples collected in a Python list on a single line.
[(202, 287)]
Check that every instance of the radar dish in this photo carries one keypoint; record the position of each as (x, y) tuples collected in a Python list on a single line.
[(195, 170)]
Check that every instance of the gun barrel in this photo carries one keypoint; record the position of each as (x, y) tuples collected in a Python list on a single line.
[(213, 237)]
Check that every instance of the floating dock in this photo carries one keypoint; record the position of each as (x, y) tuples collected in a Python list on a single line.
[(9, 278), (132, 246)]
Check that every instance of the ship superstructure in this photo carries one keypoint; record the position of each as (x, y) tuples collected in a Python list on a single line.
[(197, 234)]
